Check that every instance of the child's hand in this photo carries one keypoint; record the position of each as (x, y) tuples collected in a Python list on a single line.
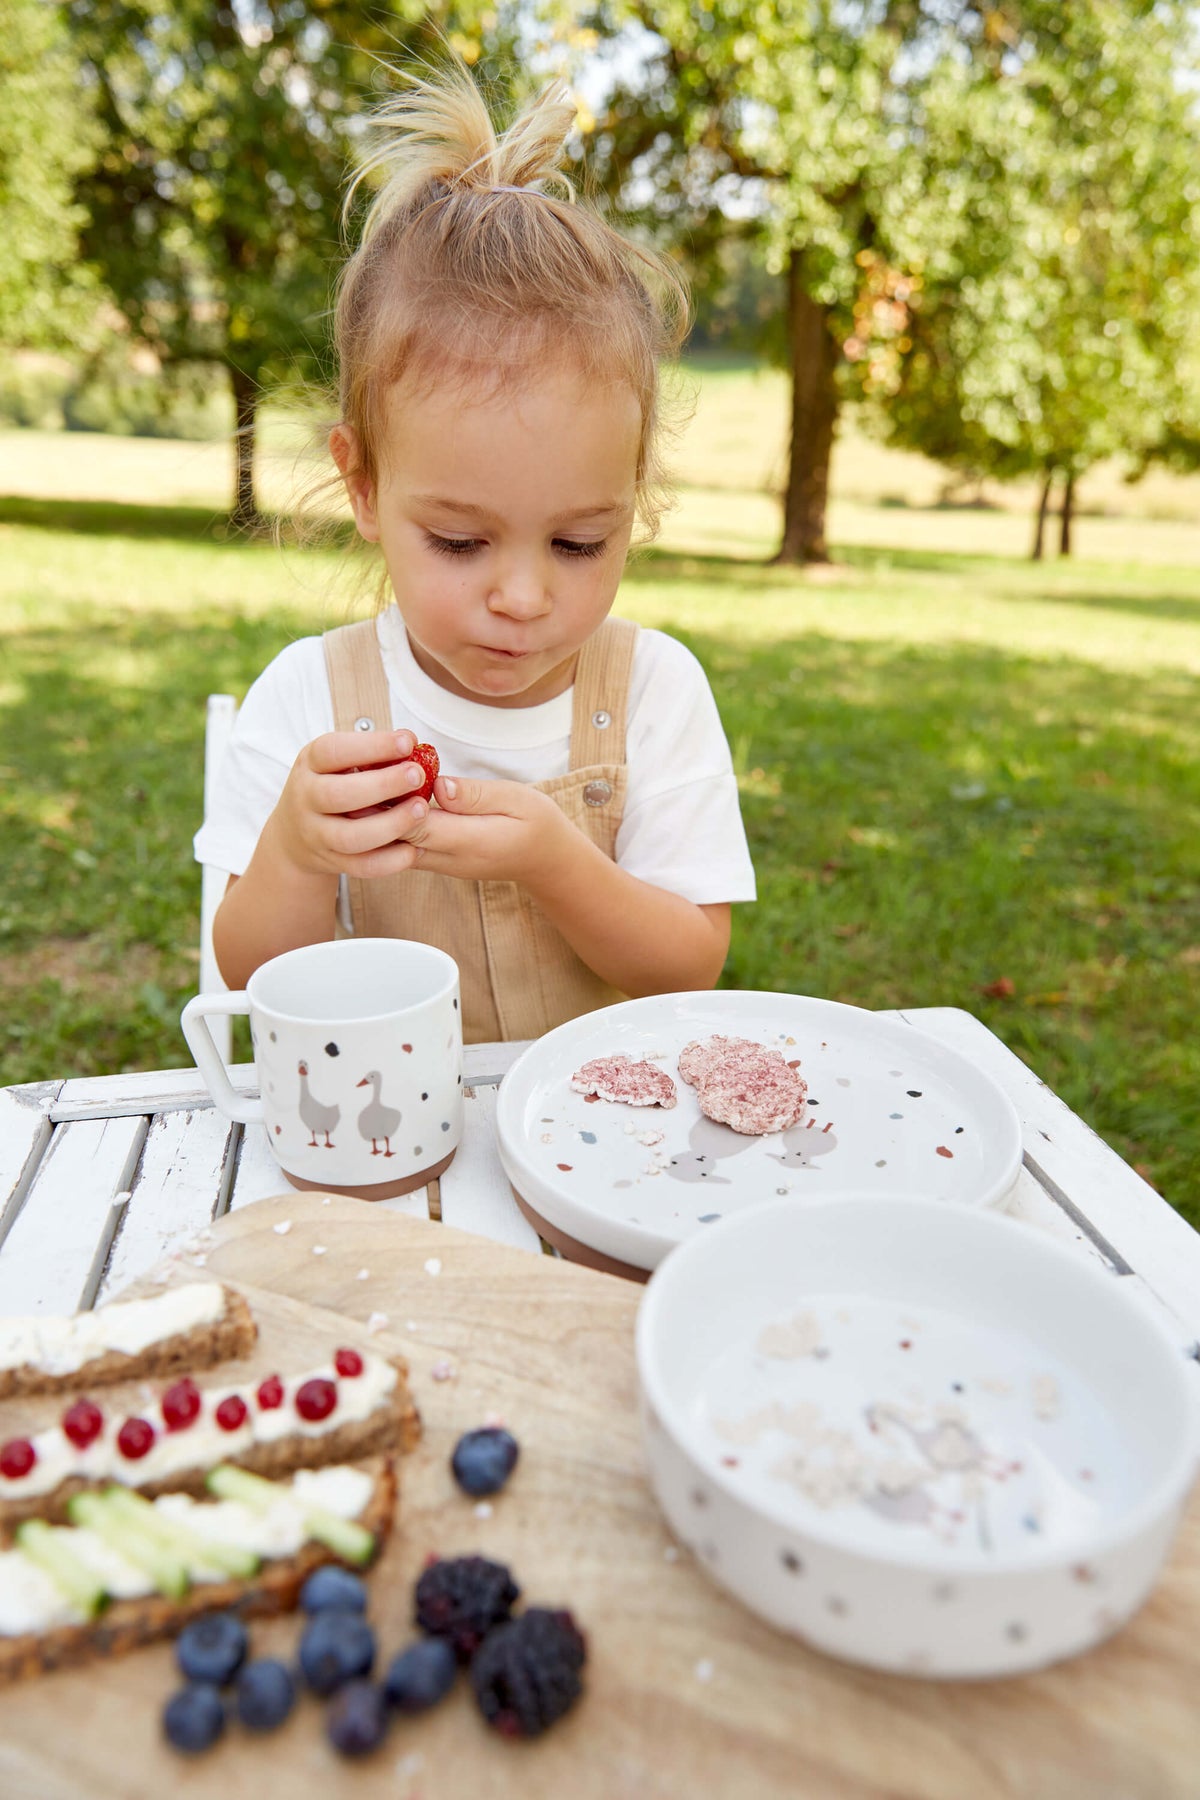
[(347, 806), (488, 831)]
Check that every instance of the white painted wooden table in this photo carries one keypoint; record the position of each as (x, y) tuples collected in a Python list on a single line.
[(100, 1178)]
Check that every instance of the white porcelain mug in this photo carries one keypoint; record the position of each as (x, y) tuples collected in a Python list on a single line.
[(358, 1048)]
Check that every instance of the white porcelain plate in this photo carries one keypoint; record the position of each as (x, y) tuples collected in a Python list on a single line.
[(890, 1111)]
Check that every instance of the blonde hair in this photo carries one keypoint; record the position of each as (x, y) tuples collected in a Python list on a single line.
[(477, 263)]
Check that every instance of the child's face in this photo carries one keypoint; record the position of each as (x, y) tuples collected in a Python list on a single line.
[(504, 524)]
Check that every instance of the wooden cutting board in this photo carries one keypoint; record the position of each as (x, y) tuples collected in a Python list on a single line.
[(687, 1694)]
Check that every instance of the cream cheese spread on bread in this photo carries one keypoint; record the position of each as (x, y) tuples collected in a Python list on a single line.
[(60, 1345), (203, 1441)]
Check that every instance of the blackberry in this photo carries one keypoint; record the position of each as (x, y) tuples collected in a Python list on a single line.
[(462, 1598), (526, 1673)]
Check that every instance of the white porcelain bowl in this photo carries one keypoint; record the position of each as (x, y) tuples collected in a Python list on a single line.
[(921, 1438)]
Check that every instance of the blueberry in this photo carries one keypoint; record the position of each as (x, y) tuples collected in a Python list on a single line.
[(194, 1718), (357, 1718), (331, 1588), (336, 1647), (483, 1460), (212, 1648), (265, 1694), (421, 1675)]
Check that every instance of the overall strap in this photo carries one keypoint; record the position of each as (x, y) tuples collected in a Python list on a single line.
[(601, 695), (357, 680)]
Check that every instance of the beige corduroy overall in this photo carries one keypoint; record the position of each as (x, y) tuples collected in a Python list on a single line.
[(519, 976)]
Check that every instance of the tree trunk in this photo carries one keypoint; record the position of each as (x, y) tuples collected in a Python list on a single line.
[(1039, 530), (246, 515), (814, 355), (1066, 515)]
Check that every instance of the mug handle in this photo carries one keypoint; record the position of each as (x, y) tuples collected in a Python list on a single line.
[(243, 1108)]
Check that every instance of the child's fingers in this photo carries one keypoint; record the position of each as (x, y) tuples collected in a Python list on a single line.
[(388, 859), (340, 751), (367, 790), (374, 828), (456, 794)]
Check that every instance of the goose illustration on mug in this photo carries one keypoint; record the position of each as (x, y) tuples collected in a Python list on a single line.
[(377, 1120), (315, 1115), (375, 1013)]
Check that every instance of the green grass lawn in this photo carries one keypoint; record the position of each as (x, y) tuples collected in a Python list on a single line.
[(968, 781)]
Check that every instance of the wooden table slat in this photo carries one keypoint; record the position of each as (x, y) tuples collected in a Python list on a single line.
[(257, 1176), (475, 1192), (47, 1256), (24, 1133), (184, 1161), (155, 1091), (1113, 1201)]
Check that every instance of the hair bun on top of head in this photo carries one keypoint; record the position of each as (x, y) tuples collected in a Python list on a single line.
[(440, 135)]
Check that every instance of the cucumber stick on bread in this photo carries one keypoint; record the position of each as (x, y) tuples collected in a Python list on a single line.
[(128, 1570)]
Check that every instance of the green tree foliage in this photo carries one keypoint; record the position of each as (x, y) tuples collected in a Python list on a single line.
[(214, 209), (905, 201), (46, 137), (1041, 316)]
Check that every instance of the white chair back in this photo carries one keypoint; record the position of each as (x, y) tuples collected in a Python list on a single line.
[(218, 728)]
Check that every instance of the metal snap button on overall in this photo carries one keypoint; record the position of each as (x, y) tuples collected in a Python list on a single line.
[(597, 793)]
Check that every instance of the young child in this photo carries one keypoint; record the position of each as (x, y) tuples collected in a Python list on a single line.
[(498, 351)]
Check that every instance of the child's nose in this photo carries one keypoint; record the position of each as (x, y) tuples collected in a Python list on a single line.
[(520, 592)]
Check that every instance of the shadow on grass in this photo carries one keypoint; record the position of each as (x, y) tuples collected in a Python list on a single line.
[(984, 576), (115, 518), (1149, 606), (655, 561), (112, 518)]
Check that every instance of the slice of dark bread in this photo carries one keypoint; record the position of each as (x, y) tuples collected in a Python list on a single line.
[(228, 1337), (394, 1425), (127, 1624)]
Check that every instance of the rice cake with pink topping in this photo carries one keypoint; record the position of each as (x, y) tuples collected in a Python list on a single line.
[(621, 1079), (744, 1085)]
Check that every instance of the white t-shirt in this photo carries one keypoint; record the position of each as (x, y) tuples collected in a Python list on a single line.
[(682, 826)]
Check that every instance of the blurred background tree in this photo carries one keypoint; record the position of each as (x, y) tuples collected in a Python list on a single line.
[(47, 134), (213, 209), (986, 215), (1040, 317), (978, 223)]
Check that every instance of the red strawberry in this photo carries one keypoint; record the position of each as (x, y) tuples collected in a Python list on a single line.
[(427, 756)]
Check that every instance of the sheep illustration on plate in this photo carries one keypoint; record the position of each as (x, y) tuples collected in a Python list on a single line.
[(316, 1115), (377, 1121)]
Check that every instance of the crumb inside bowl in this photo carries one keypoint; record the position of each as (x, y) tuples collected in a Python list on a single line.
[(930, 1441)]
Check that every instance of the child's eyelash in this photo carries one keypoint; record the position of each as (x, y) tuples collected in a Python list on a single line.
[(464, 546), (451, 546)]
